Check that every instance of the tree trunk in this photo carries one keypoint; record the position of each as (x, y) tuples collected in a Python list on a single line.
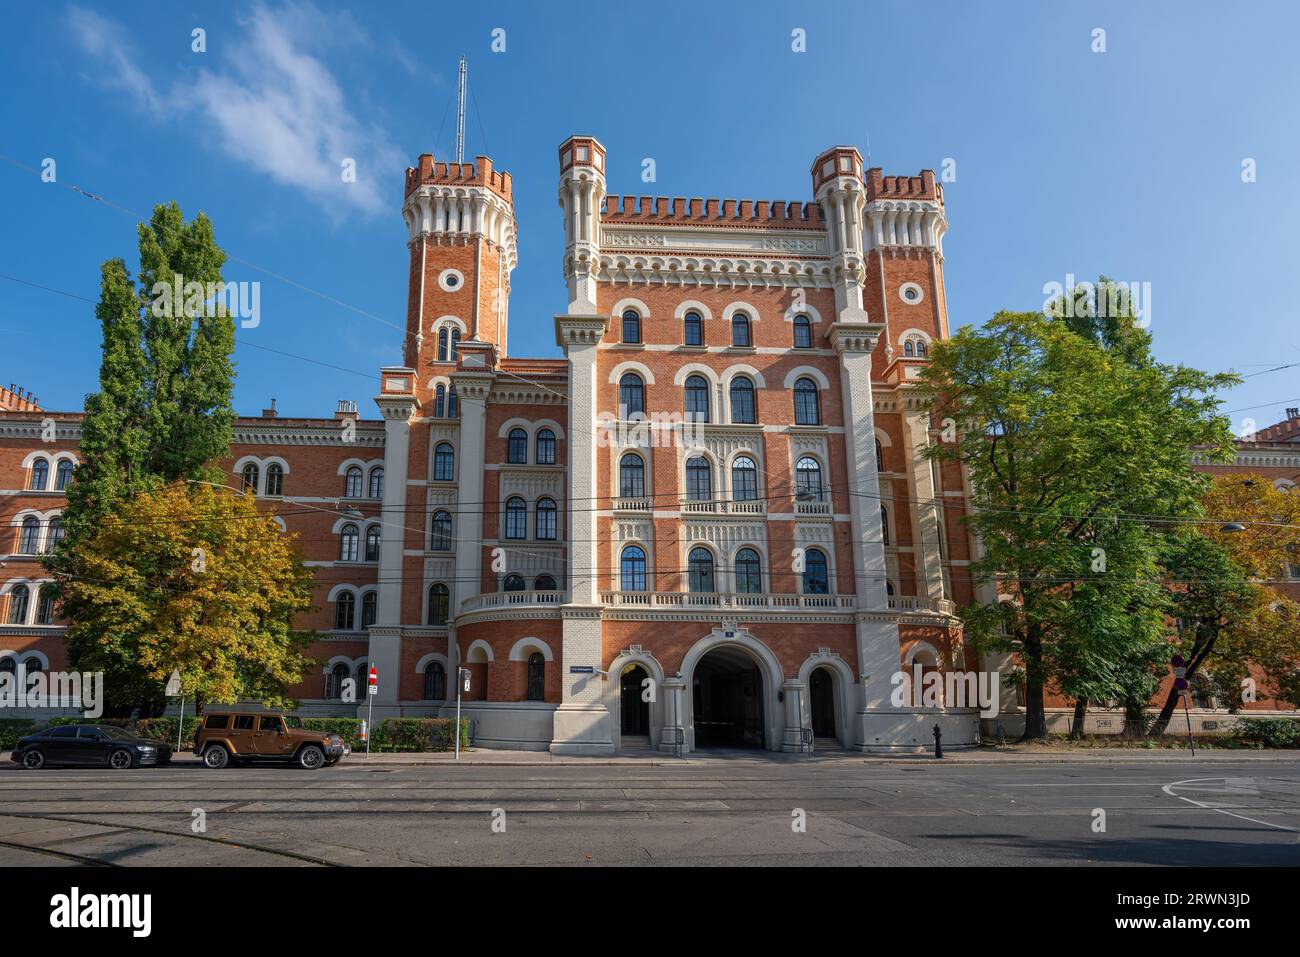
[(1194, 659), (1035, 710), (1080, 713)]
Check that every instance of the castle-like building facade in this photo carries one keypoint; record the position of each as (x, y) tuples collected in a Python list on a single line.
[(713, 522)]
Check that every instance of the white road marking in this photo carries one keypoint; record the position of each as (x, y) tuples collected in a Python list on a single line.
[(1211, 807)]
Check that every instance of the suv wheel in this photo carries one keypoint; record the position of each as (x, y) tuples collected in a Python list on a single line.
[(33, 760), (216, 757), (120, 760), (311, 757)]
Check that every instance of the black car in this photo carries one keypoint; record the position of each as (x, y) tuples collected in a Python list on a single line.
[(88, 745)]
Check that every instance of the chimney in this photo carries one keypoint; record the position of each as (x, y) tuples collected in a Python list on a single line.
[(347, 409), (1293, 413), (270, 413)]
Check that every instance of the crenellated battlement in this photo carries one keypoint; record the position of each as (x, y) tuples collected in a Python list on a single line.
[(763, 214), (478, 173), (922, 187)]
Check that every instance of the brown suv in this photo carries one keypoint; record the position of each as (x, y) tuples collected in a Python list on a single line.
[(239, 737)]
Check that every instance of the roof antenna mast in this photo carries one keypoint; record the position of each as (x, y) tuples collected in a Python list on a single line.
[(460, 116)]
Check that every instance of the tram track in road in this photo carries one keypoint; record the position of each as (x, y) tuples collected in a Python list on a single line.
[(119, 827)]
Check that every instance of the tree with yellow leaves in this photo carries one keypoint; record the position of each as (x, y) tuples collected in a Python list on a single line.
[(1231, 625), (194, 578)]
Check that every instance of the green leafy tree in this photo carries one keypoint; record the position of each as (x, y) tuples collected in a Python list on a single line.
[(195, 578), (1063, 438)]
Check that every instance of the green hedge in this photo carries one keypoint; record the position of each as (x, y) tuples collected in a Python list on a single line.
[(392, 735), (1272, 733), (11, 729)]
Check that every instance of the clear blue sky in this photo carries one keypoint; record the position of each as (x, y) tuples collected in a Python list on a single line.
[(1126, 162)]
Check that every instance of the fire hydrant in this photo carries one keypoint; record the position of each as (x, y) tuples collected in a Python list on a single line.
[(938, 741)]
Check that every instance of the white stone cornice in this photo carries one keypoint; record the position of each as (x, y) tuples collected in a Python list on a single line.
[(855, 336), (716, 272), (579, 330)]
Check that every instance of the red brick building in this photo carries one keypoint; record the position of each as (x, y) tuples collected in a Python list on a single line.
[(721, 487)]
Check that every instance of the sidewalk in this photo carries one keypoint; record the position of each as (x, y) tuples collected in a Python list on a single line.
[(482, 757)]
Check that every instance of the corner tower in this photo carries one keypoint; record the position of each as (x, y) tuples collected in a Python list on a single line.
[(582, 190), (460, 219)]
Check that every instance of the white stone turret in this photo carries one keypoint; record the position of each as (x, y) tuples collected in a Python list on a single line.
[(839, 188), (582, 190)]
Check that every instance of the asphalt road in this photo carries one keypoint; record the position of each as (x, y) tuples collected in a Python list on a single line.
[(738, 810)]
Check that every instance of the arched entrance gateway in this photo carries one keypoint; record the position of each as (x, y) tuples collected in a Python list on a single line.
[(821, 704), (727, 698), (726, 694), (634, 709)]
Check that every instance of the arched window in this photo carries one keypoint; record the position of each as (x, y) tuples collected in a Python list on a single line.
[(439, 603), (40, 475), (442, 344), (808, 479), (275, 479), (802, 332), (352, 482), (816, 579), (345, 610), (632, 569), (694, 330), (334, 680), (20, 597), (440, 531), (742, 401), (362, 675), (248, 481), (699, 479), (349, 544), (440, 401), (453, 409), (514, 583), (697, 399), (372, 544), (884, 525), (744, 479), (8, 665), (545, 447), (536, 677), (29, 538), (63, 475), (377, 482), (907, 349), (749, 572), (700, 569), (889, 588), (631, 395), (880, 456), (55, 534), (546, 522), (455, 345), (631, 326), (740, 330), (544, 583), (369, 608), (517, 447), (806, 408), (45, 605), (920, 348), (631, 476), (444, 462), (516, 517), (32, 665), (435, 681)]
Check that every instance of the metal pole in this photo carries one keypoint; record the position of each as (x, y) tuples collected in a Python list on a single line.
[(370, 719), (1190, 740), (456, 730), (460, 116), (180, 727)]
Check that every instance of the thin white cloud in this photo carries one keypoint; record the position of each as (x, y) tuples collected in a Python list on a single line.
[(272, 103)]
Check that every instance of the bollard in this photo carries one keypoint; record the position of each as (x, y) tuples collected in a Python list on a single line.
[(938, 741)]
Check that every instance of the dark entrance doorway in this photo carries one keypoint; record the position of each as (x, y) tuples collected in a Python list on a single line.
[(634, 713), (821, 702), (727, 694)]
